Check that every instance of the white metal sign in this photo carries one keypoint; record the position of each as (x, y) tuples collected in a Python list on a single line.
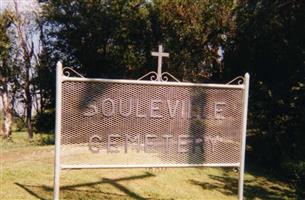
[(102, 123)]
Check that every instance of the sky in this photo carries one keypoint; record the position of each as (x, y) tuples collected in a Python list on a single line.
[(23, 5)]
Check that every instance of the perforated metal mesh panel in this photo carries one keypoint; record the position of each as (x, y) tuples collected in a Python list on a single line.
[(134, 124)]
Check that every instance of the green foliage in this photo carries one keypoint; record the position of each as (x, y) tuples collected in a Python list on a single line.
[(193, 31), (8, 70), (98, 36), (114, 38), (5, 45), (44, 122), (44, 82), (296, 171), (269, 42), (19, 124)]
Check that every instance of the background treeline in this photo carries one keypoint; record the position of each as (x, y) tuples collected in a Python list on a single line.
[(208, 41)]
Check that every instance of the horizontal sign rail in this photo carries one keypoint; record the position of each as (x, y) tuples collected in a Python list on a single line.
[(146, 166), (178, 84)]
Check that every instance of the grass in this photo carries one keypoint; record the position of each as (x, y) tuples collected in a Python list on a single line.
[(27, 173)]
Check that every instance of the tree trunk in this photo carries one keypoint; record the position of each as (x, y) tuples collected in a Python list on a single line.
[(28, 101), (6, 126)]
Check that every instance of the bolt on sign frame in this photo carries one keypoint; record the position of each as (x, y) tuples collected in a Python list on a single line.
[(103, 123)]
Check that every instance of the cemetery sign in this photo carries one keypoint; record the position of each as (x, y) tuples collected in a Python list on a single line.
[(103, 123)]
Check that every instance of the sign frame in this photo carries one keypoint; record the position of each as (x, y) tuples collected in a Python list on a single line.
[(243, 83)]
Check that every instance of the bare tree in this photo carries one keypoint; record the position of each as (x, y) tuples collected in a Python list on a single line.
[(26, 43)]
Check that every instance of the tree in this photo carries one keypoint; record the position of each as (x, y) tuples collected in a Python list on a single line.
[(269, 42), (194, 32), (114, 38), (25, 36), (7, 72), (95, 35)]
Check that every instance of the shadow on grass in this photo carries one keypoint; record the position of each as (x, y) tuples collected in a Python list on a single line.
[(260, 188), (80, 191)]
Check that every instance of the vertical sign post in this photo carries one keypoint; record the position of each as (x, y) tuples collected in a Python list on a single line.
[(57, 167), (243, 142)]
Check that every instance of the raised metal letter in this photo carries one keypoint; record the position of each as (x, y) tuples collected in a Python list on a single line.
[(147, 143), (91, 147), (112, 143)]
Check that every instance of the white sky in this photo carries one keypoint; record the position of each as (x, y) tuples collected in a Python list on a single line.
[(23, 5)]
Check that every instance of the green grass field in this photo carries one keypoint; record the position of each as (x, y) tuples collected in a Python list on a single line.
[(27, 173)]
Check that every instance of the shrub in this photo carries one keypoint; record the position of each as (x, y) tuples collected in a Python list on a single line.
[(19, 124), (44, 122)]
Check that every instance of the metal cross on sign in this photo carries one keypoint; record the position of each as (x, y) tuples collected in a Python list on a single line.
[(160, 54)]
